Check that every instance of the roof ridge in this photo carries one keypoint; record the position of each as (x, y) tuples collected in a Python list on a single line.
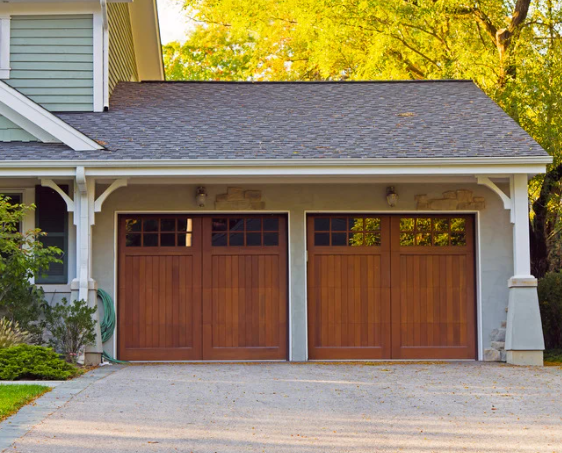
[(296, 82)]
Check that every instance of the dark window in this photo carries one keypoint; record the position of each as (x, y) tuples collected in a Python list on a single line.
[(344, 231), (245, 231), (51, 216)]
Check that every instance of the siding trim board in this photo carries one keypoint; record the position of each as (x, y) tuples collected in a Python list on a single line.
[(52, 60)]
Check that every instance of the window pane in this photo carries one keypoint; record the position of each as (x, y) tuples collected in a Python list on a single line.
[(150, 225), (321, 239), (321, 224), (133, 240), (270, 224), (372, 224), (236, 224), (184, 240), (373, 239), (184, 224), (150, 240), (423, 224), (219, 224), (236, 239), (253, 239), (271, 239), (168, 225), (339, 238), (458, 224), (355, 224), (339, 225), (406, 224), (133, 225), (168, 240), (423, 239), (253, 224), (458, 239), (356, 239), (441, 239), (440, 224), (406, 239), (219, 240)]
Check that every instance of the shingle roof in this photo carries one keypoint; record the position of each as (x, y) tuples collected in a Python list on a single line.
[(214, 120)]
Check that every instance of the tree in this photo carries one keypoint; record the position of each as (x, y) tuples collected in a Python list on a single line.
[(510, 48)]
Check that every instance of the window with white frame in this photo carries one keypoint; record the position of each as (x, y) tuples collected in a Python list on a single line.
[(4, 47)]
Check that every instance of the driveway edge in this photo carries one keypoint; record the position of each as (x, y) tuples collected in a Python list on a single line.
[(19, 424)]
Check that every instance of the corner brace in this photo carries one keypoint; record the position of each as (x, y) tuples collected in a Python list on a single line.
[(118, 183), (507, 202), (50, 183)]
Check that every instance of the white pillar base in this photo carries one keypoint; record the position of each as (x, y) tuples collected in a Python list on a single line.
[(525, 358), (92, 358)]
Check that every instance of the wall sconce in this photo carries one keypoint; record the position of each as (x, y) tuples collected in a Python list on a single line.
[(201, 196), (391, 196)]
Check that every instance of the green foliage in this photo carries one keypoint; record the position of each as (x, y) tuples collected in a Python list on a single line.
[(33, 362), (11, 334), (22, 257), (12, 397), (553, 357), (71, 327), (550, 301)]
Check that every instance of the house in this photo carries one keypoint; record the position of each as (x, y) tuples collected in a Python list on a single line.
[(265, 221)]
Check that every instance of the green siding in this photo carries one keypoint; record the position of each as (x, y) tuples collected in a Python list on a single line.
[(52, 60), (122, 63), (10, 132)]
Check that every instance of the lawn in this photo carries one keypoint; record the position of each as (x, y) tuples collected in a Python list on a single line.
[(12, 397)]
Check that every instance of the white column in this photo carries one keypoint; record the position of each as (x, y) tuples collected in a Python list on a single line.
[(521, 242)]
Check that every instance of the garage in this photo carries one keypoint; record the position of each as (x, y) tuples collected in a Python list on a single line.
[(202, 287), (391, 287)]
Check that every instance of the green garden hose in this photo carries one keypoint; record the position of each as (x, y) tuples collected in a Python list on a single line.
[(107, 324)]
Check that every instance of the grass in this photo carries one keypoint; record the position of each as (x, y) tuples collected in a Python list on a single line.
[(13, 397), (553, 357)]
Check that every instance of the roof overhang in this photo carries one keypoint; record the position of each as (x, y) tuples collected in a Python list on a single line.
[(302, 168), (39, 122)]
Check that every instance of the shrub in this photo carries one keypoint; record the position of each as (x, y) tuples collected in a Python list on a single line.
[(33, 362), (11, 334), (550, 301), (24, 305), (71, 326)]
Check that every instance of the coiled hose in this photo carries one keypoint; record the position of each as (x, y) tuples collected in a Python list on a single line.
[(107, 324)]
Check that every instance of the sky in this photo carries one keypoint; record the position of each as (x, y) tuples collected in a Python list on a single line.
[(174, 23)]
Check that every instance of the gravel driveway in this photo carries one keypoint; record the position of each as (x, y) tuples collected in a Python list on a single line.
[(310, 408)]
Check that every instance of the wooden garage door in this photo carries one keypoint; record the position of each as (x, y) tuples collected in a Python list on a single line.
[(202, 288), (384, 287)]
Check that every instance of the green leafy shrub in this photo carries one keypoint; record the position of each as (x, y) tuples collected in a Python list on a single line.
[(33, 362), (550, 301), (71, 327), (11, 334)]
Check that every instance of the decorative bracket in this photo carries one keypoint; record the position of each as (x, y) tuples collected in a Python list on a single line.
[(69, 201), (507, 202), (118, 183)]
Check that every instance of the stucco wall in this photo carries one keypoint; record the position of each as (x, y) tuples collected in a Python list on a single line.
[(496, 259)]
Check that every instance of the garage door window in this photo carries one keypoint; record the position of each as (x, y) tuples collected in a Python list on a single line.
[(245, 231), (352, 231), (437, 231), (164, 232)]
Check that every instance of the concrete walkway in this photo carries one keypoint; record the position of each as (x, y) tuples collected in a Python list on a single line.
[(471, 407)]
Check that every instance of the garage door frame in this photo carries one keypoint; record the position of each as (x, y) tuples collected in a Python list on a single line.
[(389, 212), (118, 213)]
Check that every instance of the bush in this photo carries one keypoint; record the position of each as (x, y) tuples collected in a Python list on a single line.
[(550, 301), (33, 362), (11, 334), (71, 326), (24, 305)]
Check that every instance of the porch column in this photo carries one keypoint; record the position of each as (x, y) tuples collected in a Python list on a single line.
[(84, 287), (524, 342)]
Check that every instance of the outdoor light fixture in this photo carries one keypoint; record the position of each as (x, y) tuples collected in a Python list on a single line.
[(201, 196), (391, 196)]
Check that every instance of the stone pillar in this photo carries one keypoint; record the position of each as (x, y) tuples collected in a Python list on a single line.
[(524, 342)]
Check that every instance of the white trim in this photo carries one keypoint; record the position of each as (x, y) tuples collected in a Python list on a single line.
[(53, 185), (24, 112), (118, 183), (521, 239), (478, 270), (507, 202), (98, 61), (5, 46)]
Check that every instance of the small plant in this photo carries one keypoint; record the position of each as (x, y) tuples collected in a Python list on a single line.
[(33, 362), (550, 301), (11, 334), (71, 327)]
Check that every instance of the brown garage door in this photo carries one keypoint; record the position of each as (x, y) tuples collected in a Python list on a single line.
[(398, 287), (202, 287)]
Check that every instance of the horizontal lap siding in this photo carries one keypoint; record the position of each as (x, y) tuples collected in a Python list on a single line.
[(52, 60), (122, 63), (10, 132)]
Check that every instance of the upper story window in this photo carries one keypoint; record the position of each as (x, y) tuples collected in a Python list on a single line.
[(4, 47)]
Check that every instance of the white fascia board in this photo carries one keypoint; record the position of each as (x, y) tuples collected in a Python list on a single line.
[(492, 167), (25, 112)]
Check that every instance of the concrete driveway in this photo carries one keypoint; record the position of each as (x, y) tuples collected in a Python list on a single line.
[(309, 408)]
